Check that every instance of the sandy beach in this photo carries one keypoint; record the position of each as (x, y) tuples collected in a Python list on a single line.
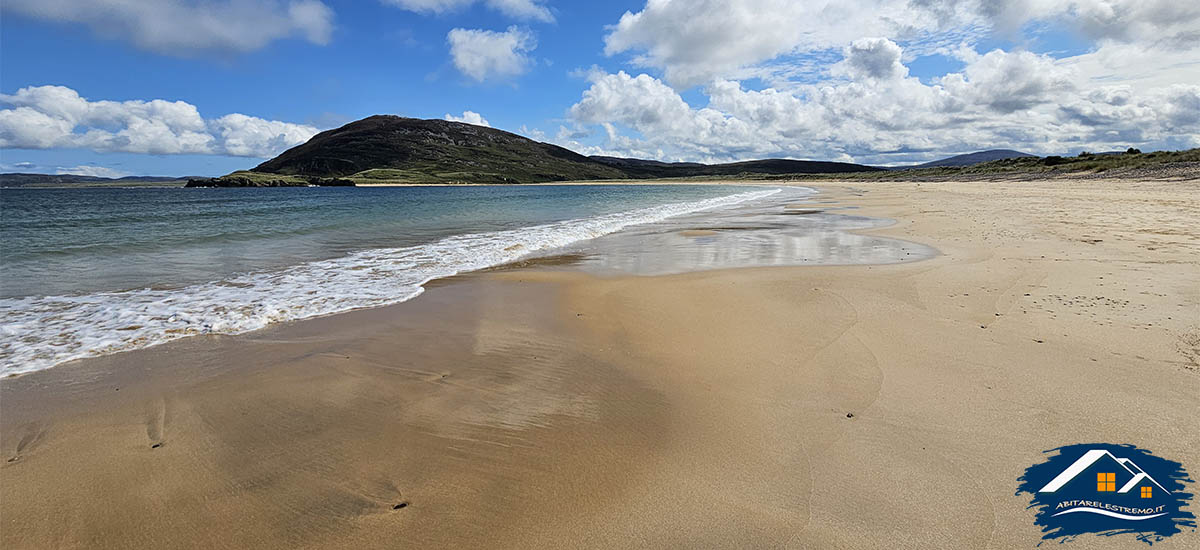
[(546, 406)]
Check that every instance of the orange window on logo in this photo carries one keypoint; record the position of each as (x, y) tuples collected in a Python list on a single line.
[(1106, 482), (1147, 492)]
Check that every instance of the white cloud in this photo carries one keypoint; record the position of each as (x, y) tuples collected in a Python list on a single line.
[(532, 133), (655, 110), (517, 9), (189, 27), (469, 117), (872, 58), (696, 41), (1118, 21), (1181, 109), (430, 6), (44, 117), (699, 40), (834, 82), (523, 9), (246, 136), (642, 102), (91, 170), (1009, 81), (878, 114), (483, 55)]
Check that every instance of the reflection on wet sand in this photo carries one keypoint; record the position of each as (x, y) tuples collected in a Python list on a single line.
[(785, 229)]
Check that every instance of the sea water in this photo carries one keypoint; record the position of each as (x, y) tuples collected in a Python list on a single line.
[(86, 272)]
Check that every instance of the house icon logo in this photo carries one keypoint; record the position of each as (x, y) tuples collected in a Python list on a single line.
[(1108, 490)]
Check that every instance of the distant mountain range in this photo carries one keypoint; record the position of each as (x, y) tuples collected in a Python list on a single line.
[(52, 180), (391, 149), (637, 168), (970, 158)]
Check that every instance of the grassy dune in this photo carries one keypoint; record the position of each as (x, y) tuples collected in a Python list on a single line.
[(1156, 165)]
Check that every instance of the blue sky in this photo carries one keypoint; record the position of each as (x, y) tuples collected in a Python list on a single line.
[(685, 80)]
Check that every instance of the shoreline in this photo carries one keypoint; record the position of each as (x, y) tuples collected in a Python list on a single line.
[(370, 276), (1185, 172), (804, 207), (544, 406)]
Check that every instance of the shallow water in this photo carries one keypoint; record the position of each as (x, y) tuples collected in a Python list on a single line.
[(78, 241), (97, 271), (87, 272), (785, 229)]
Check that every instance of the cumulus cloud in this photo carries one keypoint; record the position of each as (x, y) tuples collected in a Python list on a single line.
[(832, 80), (517, 9), (483, 55), (189, 27), (44, 117), (1009, 81), (469, 117), (696, 41), (873, 58), (91, 170), (430, 6), (878, 114), (650, 107), (1181, 109), (1147, 21), (246, 136), (640, 102)]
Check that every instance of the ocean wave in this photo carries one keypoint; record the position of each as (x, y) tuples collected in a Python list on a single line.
[(42, 331)]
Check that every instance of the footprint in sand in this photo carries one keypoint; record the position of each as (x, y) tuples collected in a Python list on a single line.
[(31, 434), (157, 416), (387, 493)]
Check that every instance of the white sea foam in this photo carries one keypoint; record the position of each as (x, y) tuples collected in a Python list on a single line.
[(41, 331)]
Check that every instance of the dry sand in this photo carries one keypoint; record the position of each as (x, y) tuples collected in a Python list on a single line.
[(826, 407)]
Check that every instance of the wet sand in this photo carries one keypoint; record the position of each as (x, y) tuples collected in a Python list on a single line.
[(564, 404)]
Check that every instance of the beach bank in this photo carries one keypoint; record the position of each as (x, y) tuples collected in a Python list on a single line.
[(861, 406)]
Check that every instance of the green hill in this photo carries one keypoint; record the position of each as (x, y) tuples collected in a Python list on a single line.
[(392, 149)]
